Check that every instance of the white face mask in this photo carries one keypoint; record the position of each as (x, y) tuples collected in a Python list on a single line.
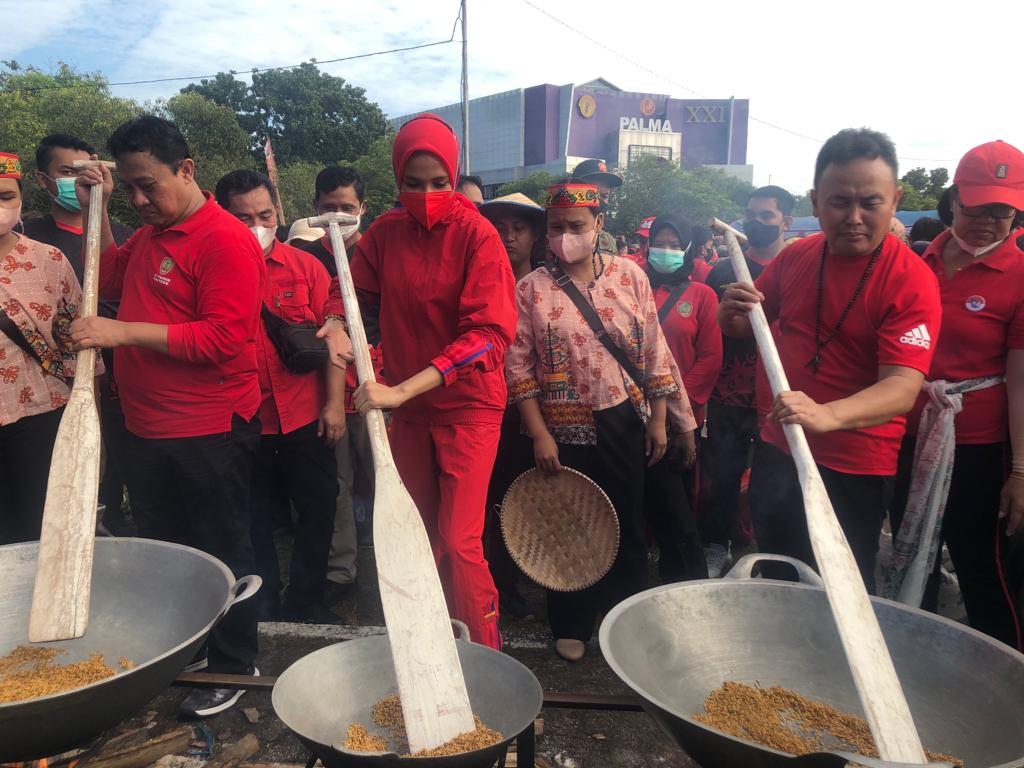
[(348, 230), (974, 250), (265, 235), (9, 218)]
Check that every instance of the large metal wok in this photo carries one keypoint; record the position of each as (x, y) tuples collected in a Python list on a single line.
[(153, 603), (318, 696), (675, 644)]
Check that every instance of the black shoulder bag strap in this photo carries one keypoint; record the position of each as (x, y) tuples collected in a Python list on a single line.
[(673, 297), (586, 309), (13, 332)]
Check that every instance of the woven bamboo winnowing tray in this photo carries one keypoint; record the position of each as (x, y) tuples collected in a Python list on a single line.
[(561, 530)]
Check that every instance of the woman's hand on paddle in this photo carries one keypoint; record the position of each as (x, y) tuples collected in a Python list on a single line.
[(655, 441), (1011, 504), (373, 394), (545, 453)]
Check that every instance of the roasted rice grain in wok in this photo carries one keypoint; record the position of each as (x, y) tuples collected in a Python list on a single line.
[(778, 718), (29, 672), (387, 713)]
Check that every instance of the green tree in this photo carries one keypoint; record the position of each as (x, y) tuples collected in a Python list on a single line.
[(938, 178), (308, 114), (295, 184), (534, 186), (379, 176), (652, 186), (922, 188), (34, 103), (217, 141)]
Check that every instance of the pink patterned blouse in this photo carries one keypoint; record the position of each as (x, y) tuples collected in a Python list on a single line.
[(40, 293), (556, 358)]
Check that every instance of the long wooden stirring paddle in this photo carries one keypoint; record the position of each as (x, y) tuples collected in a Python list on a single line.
[(435, 702), (874, 675), (60, 596)]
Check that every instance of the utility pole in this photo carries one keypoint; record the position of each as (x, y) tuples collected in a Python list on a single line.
[(465, 94)]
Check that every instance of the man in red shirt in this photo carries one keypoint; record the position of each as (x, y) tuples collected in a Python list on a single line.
[(732, 410), (855, 314), (190, 283), (302, 413)]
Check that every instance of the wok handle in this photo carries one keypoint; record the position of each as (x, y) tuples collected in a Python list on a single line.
[(461, 630), (244, 588), (745, 567)]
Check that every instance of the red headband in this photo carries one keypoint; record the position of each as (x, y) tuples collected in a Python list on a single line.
[(573, 196), (10, 166), (426, 133)]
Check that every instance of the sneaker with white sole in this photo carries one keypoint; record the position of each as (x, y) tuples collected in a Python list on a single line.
[(197, 664), (718, 560), (207, 702)]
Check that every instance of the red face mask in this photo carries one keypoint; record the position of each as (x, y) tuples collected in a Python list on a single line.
[(427, 207)]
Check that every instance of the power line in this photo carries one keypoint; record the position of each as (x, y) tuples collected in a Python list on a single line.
[(233, 71), (686, 88)]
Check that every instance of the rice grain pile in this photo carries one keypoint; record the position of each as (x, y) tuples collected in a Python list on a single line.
[(29, 672), (778, 718), (387, 713)]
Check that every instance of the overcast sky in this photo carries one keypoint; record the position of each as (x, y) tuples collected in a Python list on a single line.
[(938, 77)]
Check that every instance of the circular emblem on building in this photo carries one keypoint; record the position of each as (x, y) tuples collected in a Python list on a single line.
[(647, 107), (685, 308), (587, 105), (166, 265), (975, 303)]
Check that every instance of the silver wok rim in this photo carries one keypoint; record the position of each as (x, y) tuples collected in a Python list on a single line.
[(649, 699), (229, 580)]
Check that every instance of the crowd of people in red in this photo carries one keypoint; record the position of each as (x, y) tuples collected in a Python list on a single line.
[(510, 335)]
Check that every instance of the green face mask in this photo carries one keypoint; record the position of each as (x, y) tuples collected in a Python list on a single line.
[(66, 197)]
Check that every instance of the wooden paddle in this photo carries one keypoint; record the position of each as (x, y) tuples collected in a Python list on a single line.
[(433, 691), (874, 675), (60, 597)]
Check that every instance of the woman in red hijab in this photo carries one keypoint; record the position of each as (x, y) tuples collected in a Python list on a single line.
[(436, 273)]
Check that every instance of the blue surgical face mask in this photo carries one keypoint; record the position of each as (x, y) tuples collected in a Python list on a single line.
[(66, 197), (666, 260)]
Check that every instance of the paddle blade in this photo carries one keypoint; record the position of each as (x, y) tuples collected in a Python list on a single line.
[(60, 597), (430, 680)]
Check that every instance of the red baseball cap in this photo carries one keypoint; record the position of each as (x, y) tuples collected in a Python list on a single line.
[(991, 173)]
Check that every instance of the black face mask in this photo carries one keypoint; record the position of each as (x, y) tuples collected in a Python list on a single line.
[(760, 235)]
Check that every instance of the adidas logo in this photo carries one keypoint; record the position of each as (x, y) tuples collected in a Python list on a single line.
[(917, 337)]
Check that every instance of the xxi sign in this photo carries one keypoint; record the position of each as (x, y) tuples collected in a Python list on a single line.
[(705, 114)]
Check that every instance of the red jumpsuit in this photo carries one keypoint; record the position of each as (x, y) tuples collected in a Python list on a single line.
[(445, 297)]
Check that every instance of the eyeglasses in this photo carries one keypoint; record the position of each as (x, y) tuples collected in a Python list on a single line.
[(997, 212)]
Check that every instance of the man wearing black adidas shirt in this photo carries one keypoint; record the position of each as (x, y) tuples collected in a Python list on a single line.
[(732, 408)]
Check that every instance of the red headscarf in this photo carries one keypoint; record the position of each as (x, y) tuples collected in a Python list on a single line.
[(426, 133)]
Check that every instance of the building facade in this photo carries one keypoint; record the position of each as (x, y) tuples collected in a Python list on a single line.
[(553, 127)]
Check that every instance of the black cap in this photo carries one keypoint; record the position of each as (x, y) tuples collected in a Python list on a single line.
[(596, 171)]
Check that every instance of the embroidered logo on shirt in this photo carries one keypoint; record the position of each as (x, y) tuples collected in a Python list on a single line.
[(917, 337), (975, 303), (685, 308), (166, 265)]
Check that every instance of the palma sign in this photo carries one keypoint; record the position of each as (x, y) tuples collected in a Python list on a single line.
[(655, 124)]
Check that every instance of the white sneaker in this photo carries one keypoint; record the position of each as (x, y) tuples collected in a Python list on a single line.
[(718, 560)]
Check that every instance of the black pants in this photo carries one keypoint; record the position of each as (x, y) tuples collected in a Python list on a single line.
[(305, 470), (116, 445), (780, 523), (731, 433), (195, 491), (25, 449), (616, 464), (515, 456), (972, 530), (672, 522)]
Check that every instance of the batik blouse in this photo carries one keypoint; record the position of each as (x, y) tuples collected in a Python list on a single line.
[(557, 359), (41, 295)]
